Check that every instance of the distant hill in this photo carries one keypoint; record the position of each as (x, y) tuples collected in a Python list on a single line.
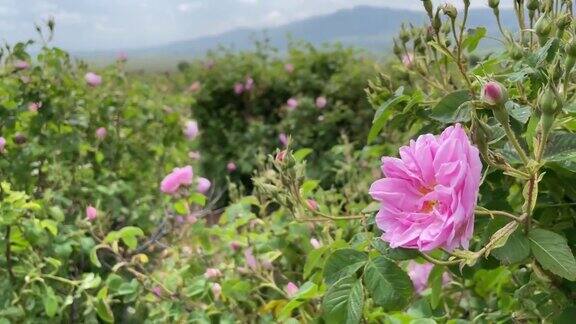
[(371, 28)]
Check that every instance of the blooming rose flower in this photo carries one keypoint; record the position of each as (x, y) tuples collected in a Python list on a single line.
[(91, 213), (321, 102), (289, 67), (191, 129), (291, 289), (429, 194), (419, 273), (494, 93), (249, 84), (21, 65), (101, 133), (292, 103), (178, 177), (93, 79), (408, 60), (283, 138), (203, 185), (231, 166), (250, 259), (2, 144), (238, 88), (212, 273), (315, 243), (216, 290)]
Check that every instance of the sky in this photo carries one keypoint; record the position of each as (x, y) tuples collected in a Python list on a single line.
[(85, 25)]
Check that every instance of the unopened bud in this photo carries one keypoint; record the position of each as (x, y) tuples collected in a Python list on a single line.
[(280, 156), (547, 102), (532, 5), (404, 35), (494, 94), (493, 3), (571, 48), (450, 11), (437, 22), (543, 28), (428, 6)]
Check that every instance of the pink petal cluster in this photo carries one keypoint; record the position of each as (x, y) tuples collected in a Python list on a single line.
[(289, 67), (235, 246), (315, 243), (192, 219), (312, 204), (321, 102), (251, 261), (2, 144), (34, 106), (494, 93), (231, 166), (122, 57), (291, 289), (91, 213), (249, 84), (21, 65), (101, 133), (93, 79), (191, 129), (203, 185), (429, 194), (408, 60), (212, 273), (292, 103), (178, 177), (238, 88), (195, 86), (419, 274), (283, 138)]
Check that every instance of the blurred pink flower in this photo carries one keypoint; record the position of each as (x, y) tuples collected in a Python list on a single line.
[(195, 86), (122, 57), (249, 84), (21, 65), (283, 138), (2, 144), (93, 79), (192, 219), (292, 103), (321, 102), (178, 177), (312, 204), (203, 185), (419, 274), (34, 106), (238, 88), (235, 246), (289, 67), (315, 243), (280, 156), (157, 291), (291, 289), (101, 133), (194, 155), (231, 166), (208, 64), (191, 129), (429, 194), (408, 60), (212, 273), (250, 259), (216, 290), (91, 213)]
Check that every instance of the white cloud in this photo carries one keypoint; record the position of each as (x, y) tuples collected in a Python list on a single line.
[(189, 6), (248, 1)]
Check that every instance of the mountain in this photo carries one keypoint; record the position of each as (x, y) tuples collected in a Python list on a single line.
[(371, 28)]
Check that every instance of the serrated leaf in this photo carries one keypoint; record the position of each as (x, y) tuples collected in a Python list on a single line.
[(389, 286), (343, 263), (382, 114), (516, 249), (452, 108), (560, 147), (391, 253), (344, 301), (518, 112), (553, 253)]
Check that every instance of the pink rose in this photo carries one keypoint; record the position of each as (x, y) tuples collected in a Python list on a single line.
[(289, 67), (321, 102), (238, 88), (195, 86), (216, 290), (312, 204), (315, 243), (283, 139), (231, 166), (429, 194), (235, 246), (34, 106), (494, 93), (249, 84), (280, 156), (212, 273), (91, 213), (191, 129), (178, 177), (21, 65), (2, 144), (93, 79), (292, 103), (419, 274), (203, 185), (291, 289), (101, 133), (408, 60)]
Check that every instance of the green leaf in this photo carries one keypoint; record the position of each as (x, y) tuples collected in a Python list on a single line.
[(301, 154), (343, 263), (516, 249), (102, 307), (344, 301), (127, 234), (473, 38), (312, 261), (452, 108), (394, 254), (50, 301), (389, 285), (198, 199), (553, 253), (94, 256), (382, 114), (435, 282), (560, 147), (50, 225), (520, 113), (308, 186)]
